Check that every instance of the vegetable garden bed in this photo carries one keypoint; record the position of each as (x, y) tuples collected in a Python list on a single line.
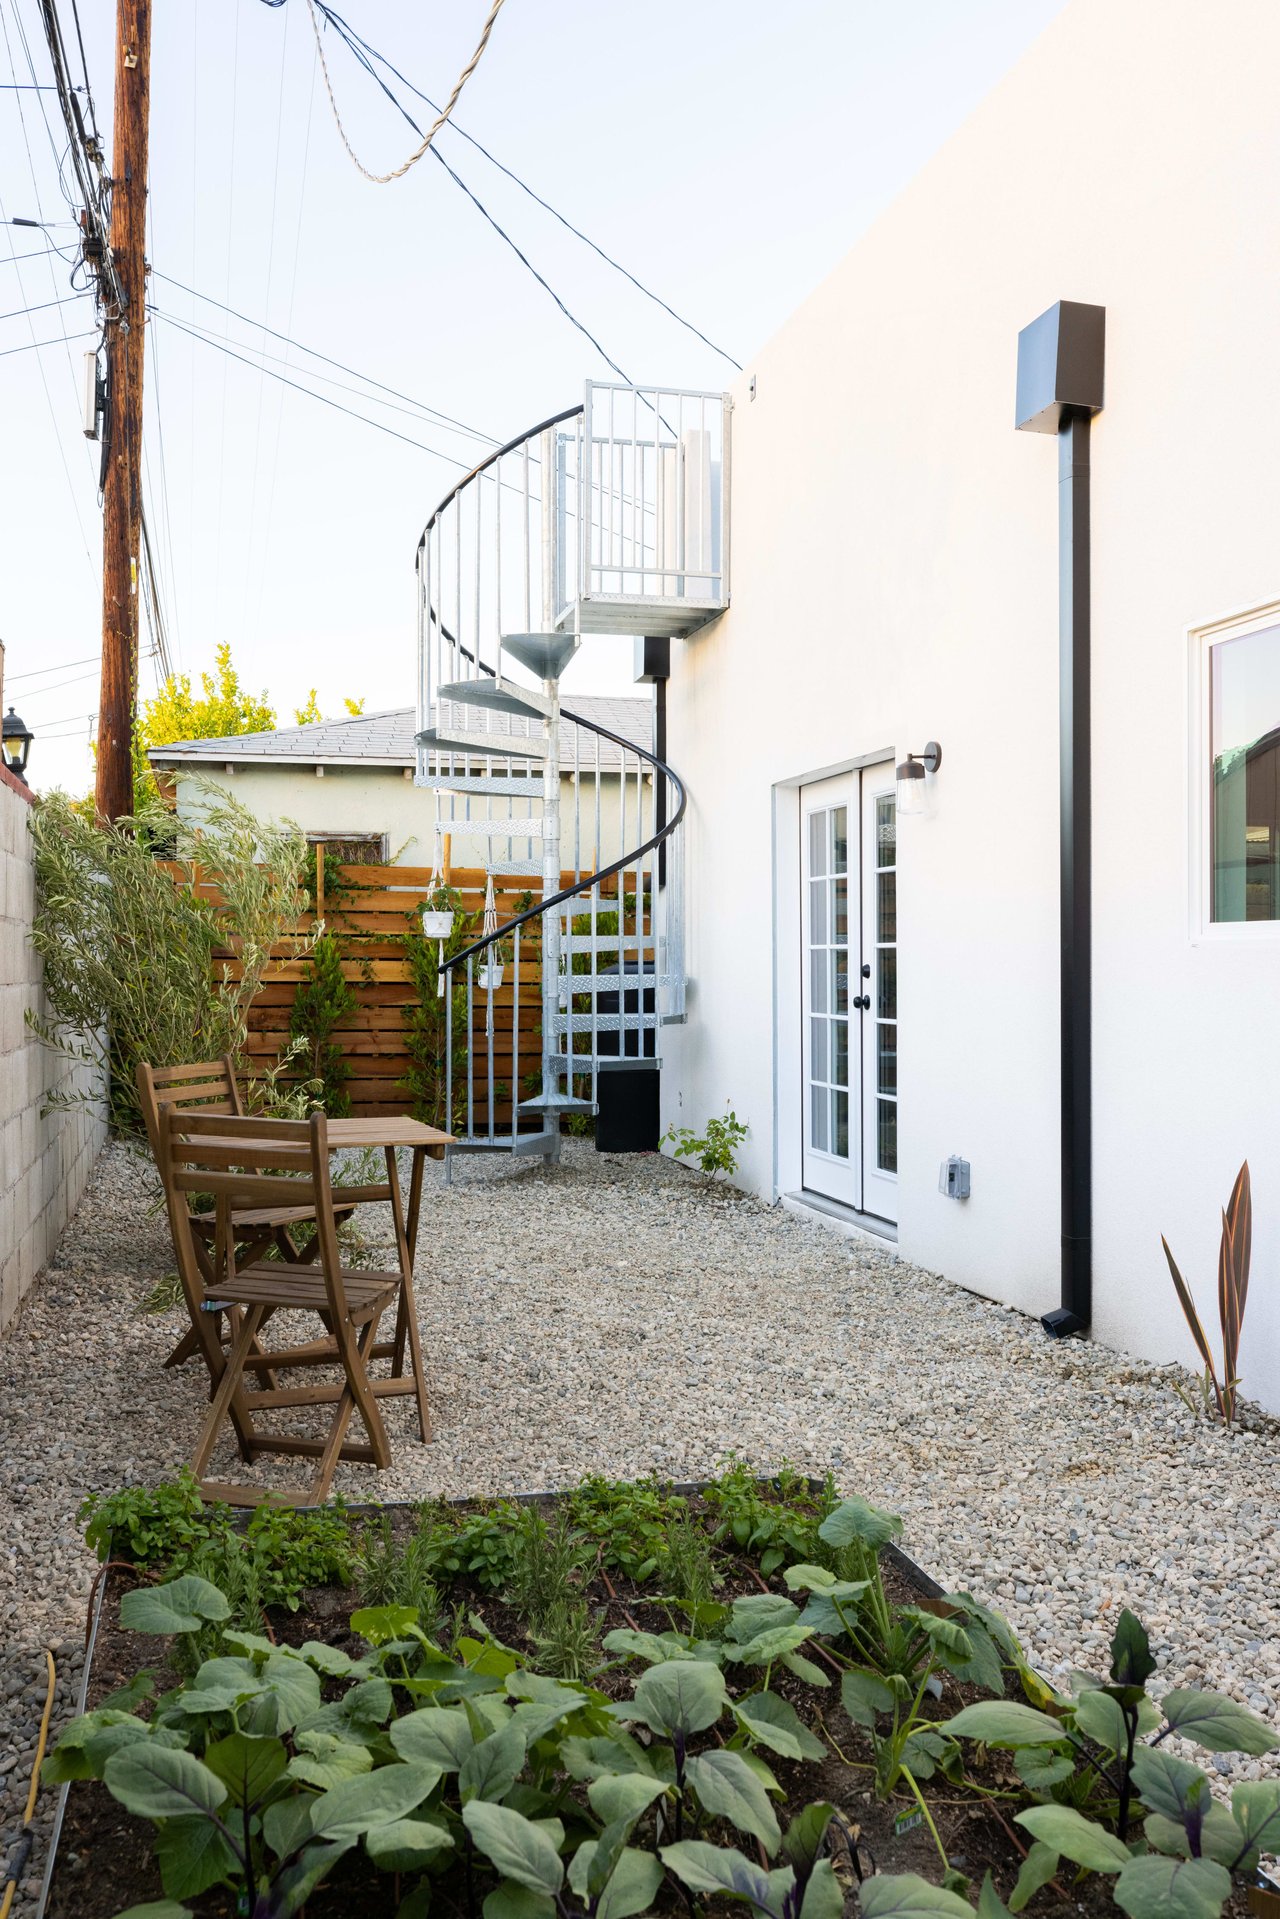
[(617, 1700)]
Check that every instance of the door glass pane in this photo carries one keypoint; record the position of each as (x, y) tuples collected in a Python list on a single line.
[(818, 981), (840, 1125), (887, 906), (818, 1048), (840, 981), (886, 1059), (839, 839), (817, 843), (1244, 748), (840, 912), (819, 1128), (886, 832), (887, 997), (886, 1136), (839, 1052), (817, 912)]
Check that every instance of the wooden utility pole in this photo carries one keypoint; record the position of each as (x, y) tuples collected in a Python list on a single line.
[(122, 490)]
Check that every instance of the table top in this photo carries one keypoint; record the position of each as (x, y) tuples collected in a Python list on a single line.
[(396, 1130)]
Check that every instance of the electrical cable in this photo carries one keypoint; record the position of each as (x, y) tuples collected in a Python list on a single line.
[(445, 419), (351, 35), (43, 306), (55, 686), (209, 340), (63, 339), (383, 179), (476, 202), (17, 1863), (415, 409), (33, 672), (33, 342)]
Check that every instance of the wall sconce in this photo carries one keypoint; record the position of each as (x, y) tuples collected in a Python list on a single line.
[(910, 776), (17, 745)]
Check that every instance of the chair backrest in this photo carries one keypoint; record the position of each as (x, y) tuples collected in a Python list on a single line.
[(244, 1164), (208, 1087)]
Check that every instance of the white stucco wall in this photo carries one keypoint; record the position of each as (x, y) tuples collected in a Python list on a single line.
[(373, 799), (895, 580)]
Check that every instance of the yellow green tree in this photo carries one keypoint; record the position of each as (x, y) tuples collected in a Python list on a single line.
[(307, 715), (220, 708)]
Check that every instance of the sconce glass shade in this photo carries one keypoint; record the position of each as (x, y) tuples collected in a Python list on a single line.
[(910, 777), (17, 743)]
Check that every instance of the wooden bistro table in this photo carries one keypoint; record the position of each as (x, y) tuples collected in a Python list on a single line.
[(356, 1135)]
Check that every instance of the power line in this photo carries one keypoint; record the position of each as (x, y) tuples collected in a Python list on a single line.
[(33, 672), (476, 202), (222, 347), (63, 339), (445, 419), (383, 179), (351, 35), (43, 306)]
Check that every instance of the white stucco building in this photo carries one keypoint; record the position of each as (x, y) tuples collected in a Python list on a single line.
[(895, 581), (347, 781)]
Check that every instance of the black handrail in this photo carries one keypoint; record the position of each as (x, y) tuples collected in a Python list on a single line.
[(499, 453), (585, 884)]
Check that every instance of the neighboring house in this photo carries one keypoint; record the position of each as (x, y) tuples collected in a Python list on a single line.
[(876, 996), (348, 782)]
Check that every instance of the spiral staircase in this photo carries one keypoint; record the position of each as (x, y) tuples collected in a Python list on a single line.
[(609, 518)]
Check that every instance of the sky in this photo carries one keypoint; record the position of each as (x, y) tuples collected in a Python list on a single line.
[(727, 152)]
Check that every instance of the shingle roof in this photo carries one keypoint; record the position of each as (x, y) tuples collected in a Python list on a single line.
[(386, 739)]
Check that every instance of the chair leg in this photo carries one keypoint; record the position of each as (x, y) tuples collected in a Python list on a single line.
[(353, 1394), (407, 1309), (187, 1348), (228, 1389)]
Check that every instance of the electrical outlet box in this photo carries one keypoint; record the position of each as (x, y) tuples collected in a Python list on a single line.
[(953, 1180)]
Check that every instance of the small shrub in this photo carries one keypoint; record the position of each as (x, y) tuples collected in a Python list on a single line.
[(322, 1002), (716, 1150)]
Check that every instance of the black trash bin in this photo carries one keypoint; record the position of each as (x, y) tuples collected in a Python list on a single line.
[(627, 1105)]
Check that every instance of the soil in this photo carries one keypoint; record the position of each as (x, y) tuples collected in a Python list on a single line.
[(105, 1861)]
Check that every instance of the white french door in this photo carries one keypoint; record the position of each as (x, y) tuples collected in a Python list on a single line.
[(848, 914)]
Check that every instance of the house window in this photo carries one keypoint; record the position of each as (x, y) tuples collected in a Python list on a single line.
[(1244, 773), (353, 849)]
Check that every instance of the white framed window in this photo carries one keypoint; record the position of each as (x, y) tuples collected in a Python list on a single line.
[(1235, 793)]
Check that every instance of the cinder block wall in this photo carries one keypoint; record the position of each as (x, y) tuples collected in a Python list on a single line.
[(44, 1163)]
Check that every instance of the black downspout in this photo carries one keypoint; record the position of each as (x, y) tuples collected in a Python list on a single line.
[(1060, 388), (1076, 844)]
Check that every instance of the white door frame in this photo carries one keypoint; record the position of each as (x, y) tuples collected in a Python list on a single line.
[(787, 1067), (830, 908)]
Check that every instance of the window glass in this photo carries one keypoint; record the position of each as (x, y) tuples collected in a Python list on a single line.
[(1244, 775)]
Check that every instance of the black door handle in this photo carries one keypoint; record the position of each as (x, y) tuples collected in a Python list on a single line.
[(864, 1002)]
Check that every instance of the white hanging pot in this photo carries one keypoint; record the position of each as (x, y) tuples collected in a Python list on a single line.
[(436, 926), (489, 977)]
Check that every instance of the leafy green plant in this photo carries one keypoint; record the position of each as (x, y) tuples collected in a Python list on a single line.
[(427, 1017), (426, 1758), (271, 1560), (138, 954), (322, 1002), (775, 1522), (716, 1150), (1234, 1254), (1094, 1761)]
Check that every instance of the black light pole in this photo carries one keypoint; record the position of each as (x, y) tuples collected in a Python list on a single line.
[(1060, 381)]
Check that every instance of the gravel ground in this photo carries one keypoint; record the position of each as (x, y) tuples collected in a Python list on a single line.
[(1057, 1481)]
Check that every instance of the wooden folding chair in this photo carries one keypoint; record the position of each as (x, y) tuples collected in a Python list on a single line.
[(251, 1165), (211, 1087)]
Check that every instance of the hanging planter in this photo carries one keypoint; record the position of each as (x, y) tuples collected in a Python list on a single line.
[(489, 976), (436, 924)]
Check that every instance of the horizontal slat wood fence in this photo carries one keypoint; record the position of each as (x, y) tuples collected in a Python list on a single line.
[(369, 911)]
